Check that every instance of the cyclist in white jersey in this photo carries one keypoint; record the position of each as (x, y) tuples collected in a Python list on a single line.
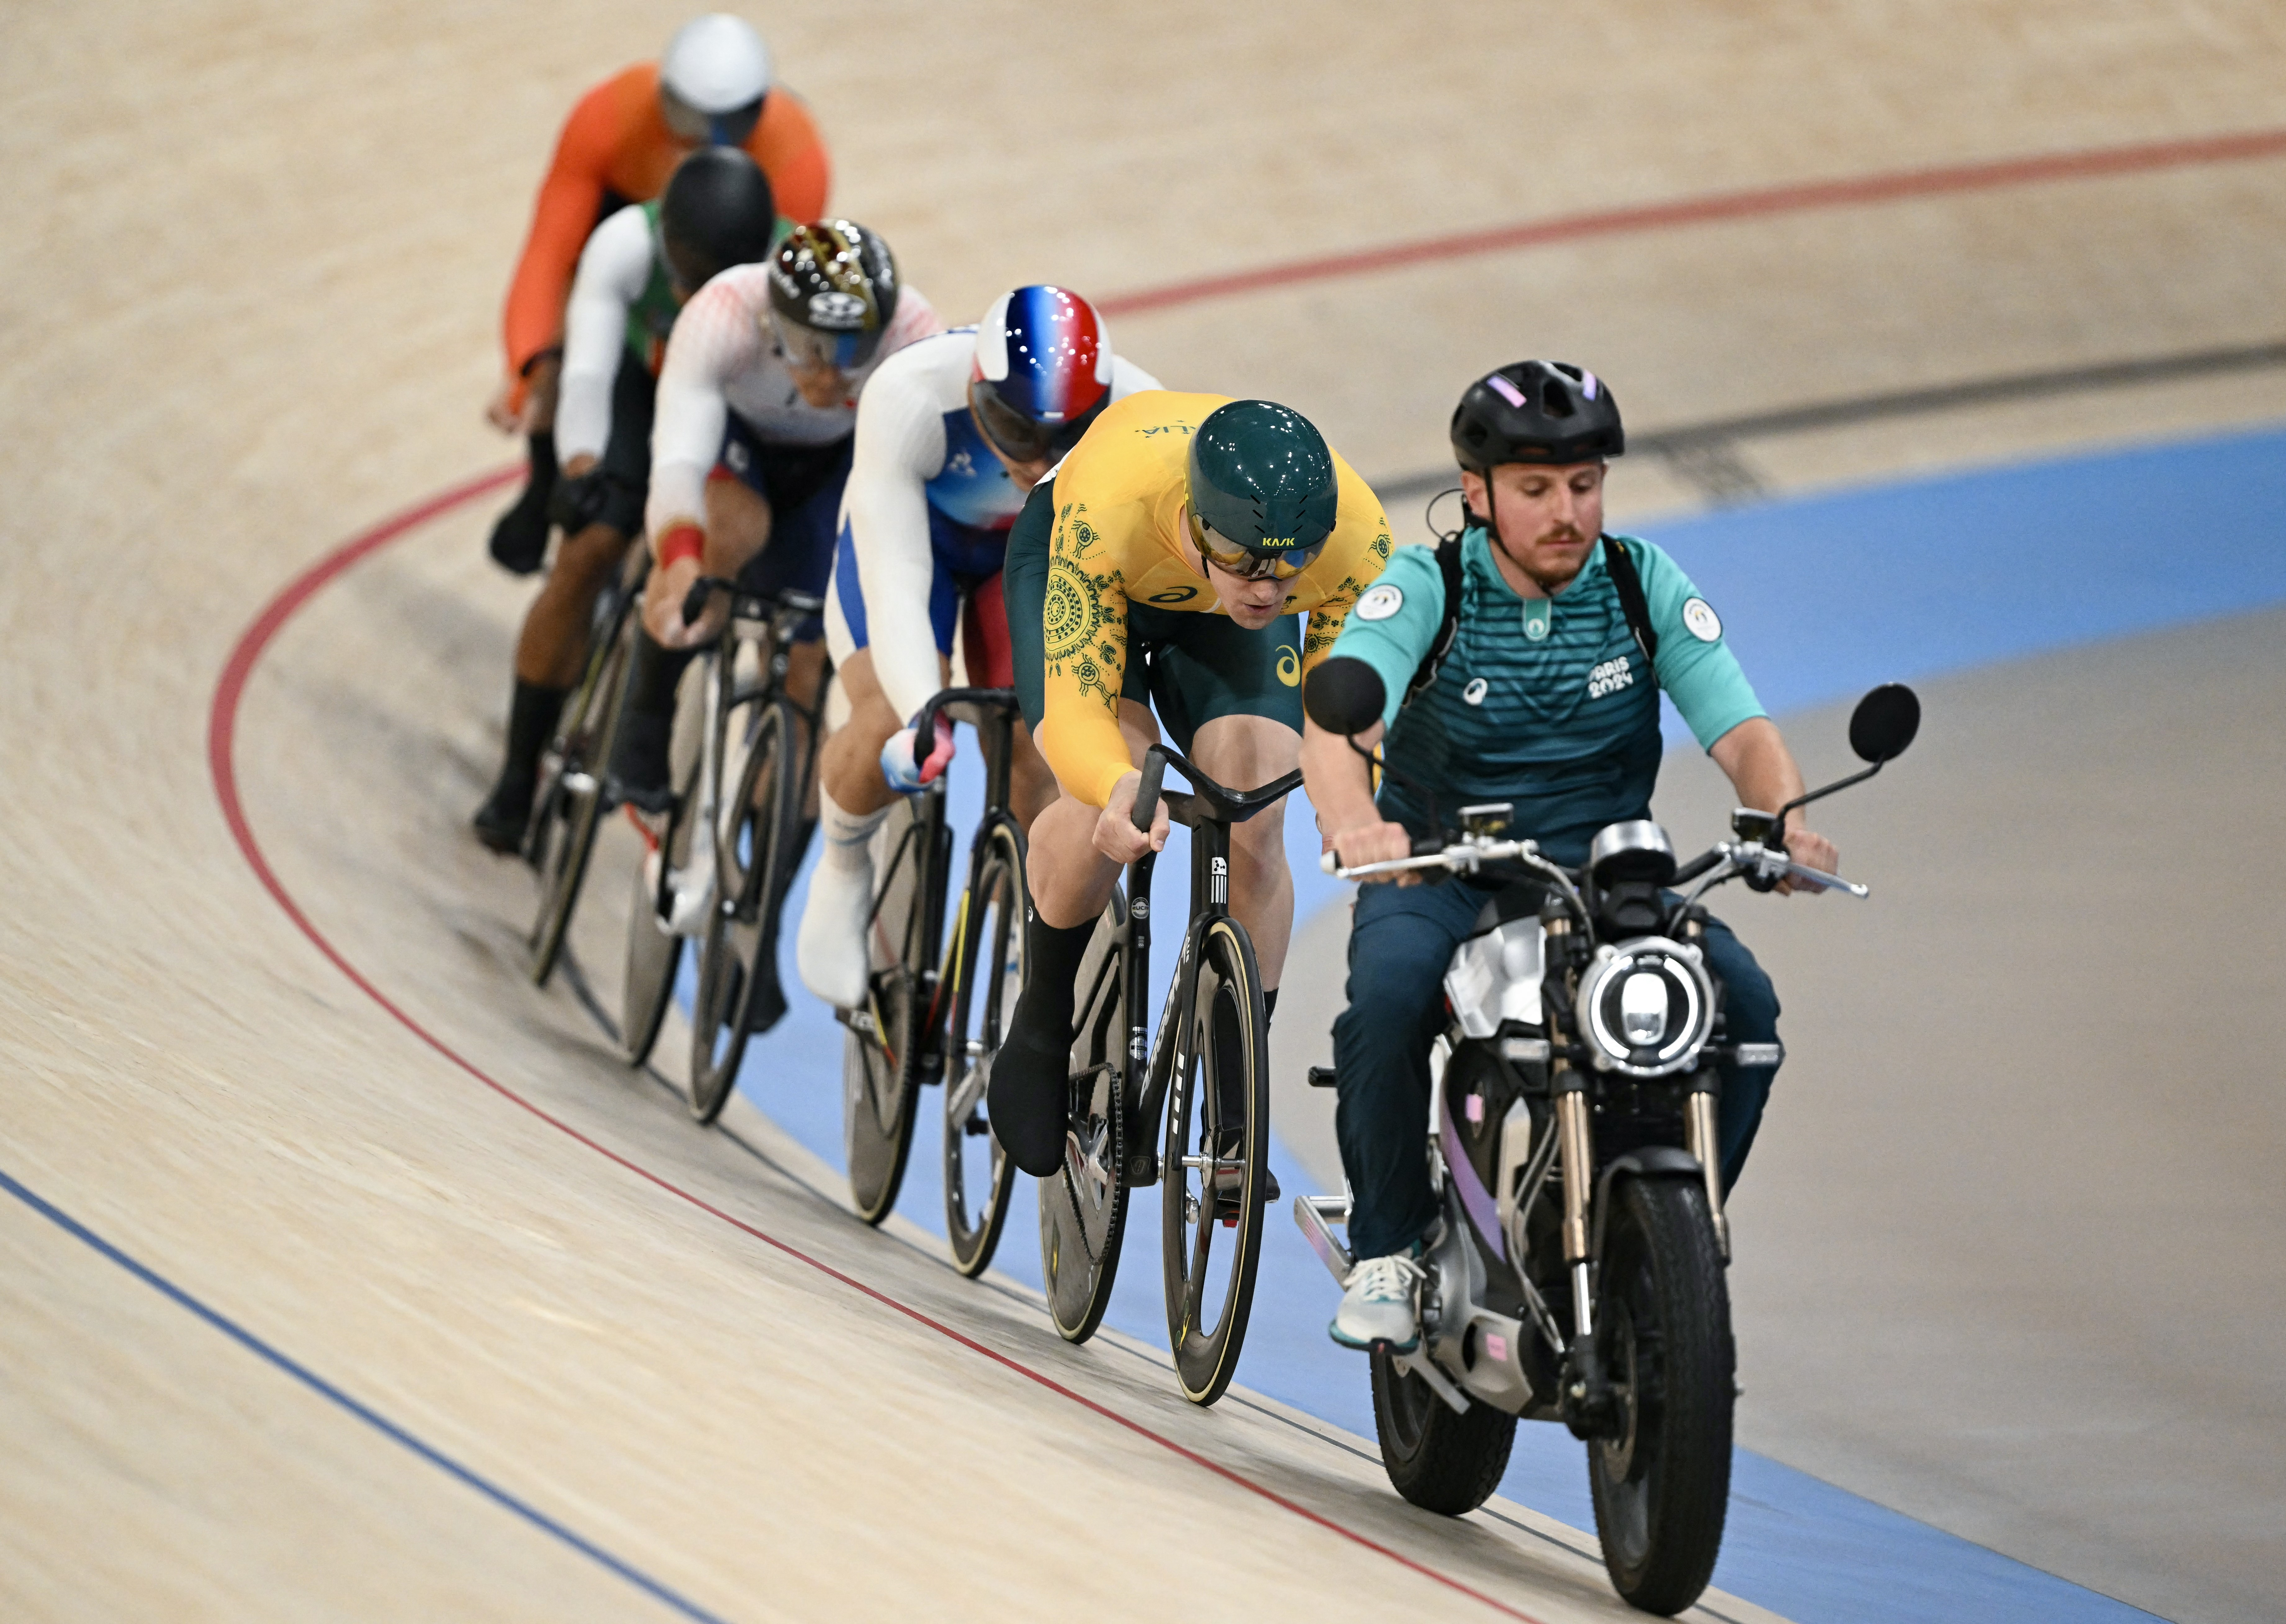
[(954, 433), (757, 401)]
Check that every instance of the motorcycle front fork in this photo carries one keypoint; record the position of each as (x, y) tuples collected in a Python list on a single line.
[(1585, 1401)]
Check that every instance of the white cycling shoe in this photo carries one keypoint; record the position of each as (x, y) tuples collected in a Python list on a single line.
[(1380, 1305), (830, 948)]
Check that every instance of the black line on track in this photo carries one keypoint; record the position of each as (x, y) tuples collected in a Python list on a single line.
[(1694, 445)]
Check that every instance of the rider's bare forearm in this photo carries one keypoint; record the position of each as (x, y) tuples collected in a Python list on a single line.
[(1754, 756)]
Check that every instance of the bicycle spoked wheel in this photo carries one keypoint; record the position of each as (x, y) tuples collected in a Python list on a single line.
[(1083, 1203), (880, 1059), (988, 973), (1217, 1151), (654, 951), (763, 835), (570, 808)]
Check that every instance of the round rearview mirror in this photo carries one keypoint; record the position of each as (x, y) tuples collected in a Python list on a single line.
[(1885, 723), (1345, 696)]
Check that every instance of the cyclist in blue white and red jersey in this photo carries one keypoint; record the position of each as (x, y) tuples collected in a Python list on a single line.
[(952, 434)]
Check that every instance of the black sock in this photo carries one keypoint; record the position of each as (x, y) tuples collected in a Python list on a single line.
[(542, 479), (1051, 959), (531, 717)]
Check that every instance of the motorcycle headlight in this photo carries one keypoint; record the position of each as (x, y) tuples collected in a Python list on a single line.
[(1646, 1008)]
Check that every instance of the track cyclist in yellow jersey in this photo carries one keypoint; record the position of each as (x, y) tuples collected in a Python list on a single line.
[(1161, 564)]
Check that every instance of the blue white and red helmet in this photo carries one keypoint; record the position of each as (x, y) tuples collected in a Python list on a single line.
[(1043, 371)]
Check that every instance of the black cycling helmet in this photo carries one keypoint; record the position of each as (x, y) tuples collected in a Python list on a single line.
[(1547, 411), (833, 293), (1263, 491), (717, 211)]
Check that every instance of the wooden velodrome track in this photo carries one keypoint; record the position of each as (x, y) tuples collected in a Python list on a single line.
[(441, 1315)]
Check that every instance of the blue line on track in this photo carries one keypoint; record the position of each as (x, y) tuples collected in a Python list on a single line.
[(372, 1417)]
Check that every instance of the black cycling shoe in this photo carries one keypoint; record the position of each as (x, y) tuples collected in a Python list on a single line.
[(501, 821)]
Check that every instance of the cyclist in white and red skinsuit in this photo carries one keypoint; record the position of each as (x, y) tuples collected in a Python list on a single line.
[(954, 433), (757, 400)]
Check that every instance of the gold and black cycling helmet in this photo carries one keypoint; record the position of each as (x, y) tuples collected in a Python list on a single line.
[(833, 293)]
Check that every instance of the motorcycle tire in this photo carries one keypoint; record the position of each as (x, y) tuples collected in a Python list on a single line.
[(1663, 1487), (1441, 1462)]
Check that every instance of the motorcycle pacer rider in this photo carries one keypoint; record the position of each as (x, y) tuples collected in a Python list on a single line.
[(1163, 565), (713, 87), (717, 210), (757, 403), (953, 434), (1545, 699)]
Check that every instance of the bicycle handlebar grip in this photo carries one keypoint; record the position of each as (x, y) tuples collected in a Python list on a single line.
[(1147, 793), (694, 601)]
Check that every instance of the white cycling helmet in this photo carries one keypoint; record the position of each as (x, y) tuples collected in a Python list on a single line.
[(712, 79)]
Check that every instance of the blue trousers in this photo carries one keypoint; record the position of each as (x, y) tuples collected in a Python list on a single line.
[(1401, 942)]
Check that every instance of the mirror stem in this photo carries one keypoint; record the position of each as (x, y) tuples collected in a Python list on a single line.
[(1818, 794)]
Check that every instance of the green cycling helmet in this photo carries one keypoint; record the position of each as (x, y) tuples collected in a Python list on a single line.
[(1263, 491)]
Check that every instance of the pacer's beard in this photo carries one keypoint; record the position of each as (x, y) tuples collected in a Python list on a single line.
[(1549, 584)]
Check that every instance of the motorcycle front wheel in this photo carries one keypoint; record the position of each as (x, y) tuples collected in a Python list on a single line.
[(1440, 1461), (1662, 1483)]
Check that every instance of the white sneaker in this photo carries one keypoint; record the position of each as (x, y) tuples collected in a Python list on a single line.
[(1378, 1305), (831, 949)]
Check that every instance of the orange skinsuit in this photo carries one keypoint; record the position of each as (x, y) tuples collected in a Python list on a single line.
[(1119, 540), (616, 143)]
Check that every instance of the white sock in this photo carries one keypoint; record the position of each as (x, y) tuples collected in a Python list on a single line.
[(848, 835)]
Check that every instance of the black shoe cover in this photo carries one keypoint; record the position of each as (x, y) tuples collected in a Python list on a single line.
[(1030, 1099), (519, 540)]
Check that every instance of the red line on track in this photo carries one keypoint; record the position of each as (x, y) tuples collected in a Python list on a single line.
[(1799, 198), (222, 737)]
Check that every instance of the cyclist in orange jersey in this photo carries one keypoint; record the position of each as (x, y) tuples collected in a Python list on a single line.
[(714, 86)]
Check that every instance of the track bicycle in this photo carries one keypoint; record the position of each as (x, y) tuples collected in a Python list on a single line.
[(1211, 1060), (735, 833), (933, 1015), (568, 807)]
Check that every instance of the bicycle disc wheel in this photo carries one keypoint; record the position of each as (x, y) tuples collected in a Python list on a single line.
[(655, 953), (1211, 1182), (988, 973), (564, 823), (763, 837), (881, 1060), (1083, 1203)]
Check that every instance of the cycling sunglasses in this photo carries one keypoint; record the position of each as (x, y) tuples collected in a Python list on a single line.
[(688, 125), (807, 349), (1227, 556), (1022, 439)]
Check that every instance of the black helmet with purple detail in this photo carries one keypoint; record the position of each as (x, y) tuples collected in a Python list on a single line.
[(1548, 411)]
